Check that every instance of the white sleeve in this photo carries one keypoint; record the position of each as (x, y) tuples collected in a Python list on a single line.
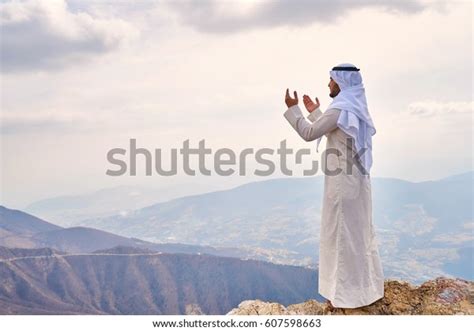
[(314, 115), (324, 122)]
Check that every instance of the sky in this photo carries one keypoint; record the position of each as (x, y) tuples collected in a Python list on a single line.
[(79, 78)]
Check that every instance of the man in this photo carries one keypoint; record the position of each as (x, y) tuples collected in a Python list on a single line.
[(350, 270)]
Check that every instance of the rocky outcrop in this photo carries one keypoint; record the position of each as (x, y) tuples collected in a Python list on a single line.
[(441, 296)]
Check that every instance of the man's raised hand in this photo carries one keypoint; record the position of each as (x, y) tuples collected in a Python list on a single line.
[(289, 100), (309, 104)]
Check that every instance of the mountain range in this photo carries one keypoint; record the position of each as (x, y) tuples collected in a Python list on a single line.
[(128, 280), (425, 229), (207, 253), (94, 272)]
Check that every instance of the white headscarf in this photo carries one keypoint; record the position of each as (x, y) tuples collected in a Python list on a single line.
[(354, 118)]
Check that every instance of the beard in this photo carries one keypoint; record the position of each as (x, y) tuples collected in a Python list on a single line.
[(333, 94)]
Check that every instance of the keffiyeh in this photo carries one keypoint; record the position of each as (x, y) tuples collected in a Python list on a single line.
[(354, 118)]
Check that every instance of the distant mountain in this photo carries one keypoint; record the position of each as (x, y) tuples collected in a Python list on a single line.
[(82, 239), (133, 281), (64, 210), (19, 223), (424, 228), (22, 230)]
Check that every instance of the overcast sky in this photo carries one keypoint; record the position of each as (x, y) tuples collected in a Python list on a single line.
[(81, 77)]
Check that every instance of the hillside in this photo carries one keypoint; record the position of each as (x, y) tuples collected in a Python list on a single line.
[(131, 281)]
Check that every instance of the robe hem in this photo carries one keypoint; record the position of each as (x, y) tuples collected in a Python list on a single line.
[(372, 294)]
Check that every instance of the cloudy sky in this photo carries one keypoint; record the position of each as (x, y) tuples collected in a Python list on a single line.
[(79, 78)]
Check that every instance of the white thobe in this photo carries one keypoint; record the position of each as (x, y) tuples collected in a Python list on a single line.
[(350, 269)]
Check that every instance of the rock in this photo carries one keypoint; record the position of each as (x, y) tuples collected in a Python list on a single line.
[(441, 296), (258, 307), (193, 309)]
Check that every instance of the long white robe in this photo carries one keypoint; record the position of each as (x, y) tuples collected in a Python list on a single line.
[(350, 269)]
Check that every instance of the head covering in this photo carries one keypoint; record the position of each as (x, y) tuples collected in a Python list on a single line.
[(354, 118)]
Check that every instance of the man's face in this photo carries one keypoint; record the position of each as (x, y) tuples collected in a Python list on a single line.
[(333, 88)]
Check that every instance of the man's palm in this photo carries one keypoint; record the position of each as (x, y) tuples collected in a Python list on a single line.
[(309, 104), (289, 100)]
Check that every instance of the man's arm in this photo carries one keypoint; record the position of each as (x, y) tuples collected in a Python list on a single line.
[(322, 124), (314, 115)]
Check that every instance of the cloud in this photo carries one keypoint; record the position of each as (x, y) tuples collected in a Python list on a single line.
[(214, 16), (424, 109), (42, 120), (65, 120), (44, 35)]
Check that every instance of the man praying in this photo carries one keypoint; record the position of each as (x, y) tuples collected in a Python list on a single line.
[(350, 270)]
